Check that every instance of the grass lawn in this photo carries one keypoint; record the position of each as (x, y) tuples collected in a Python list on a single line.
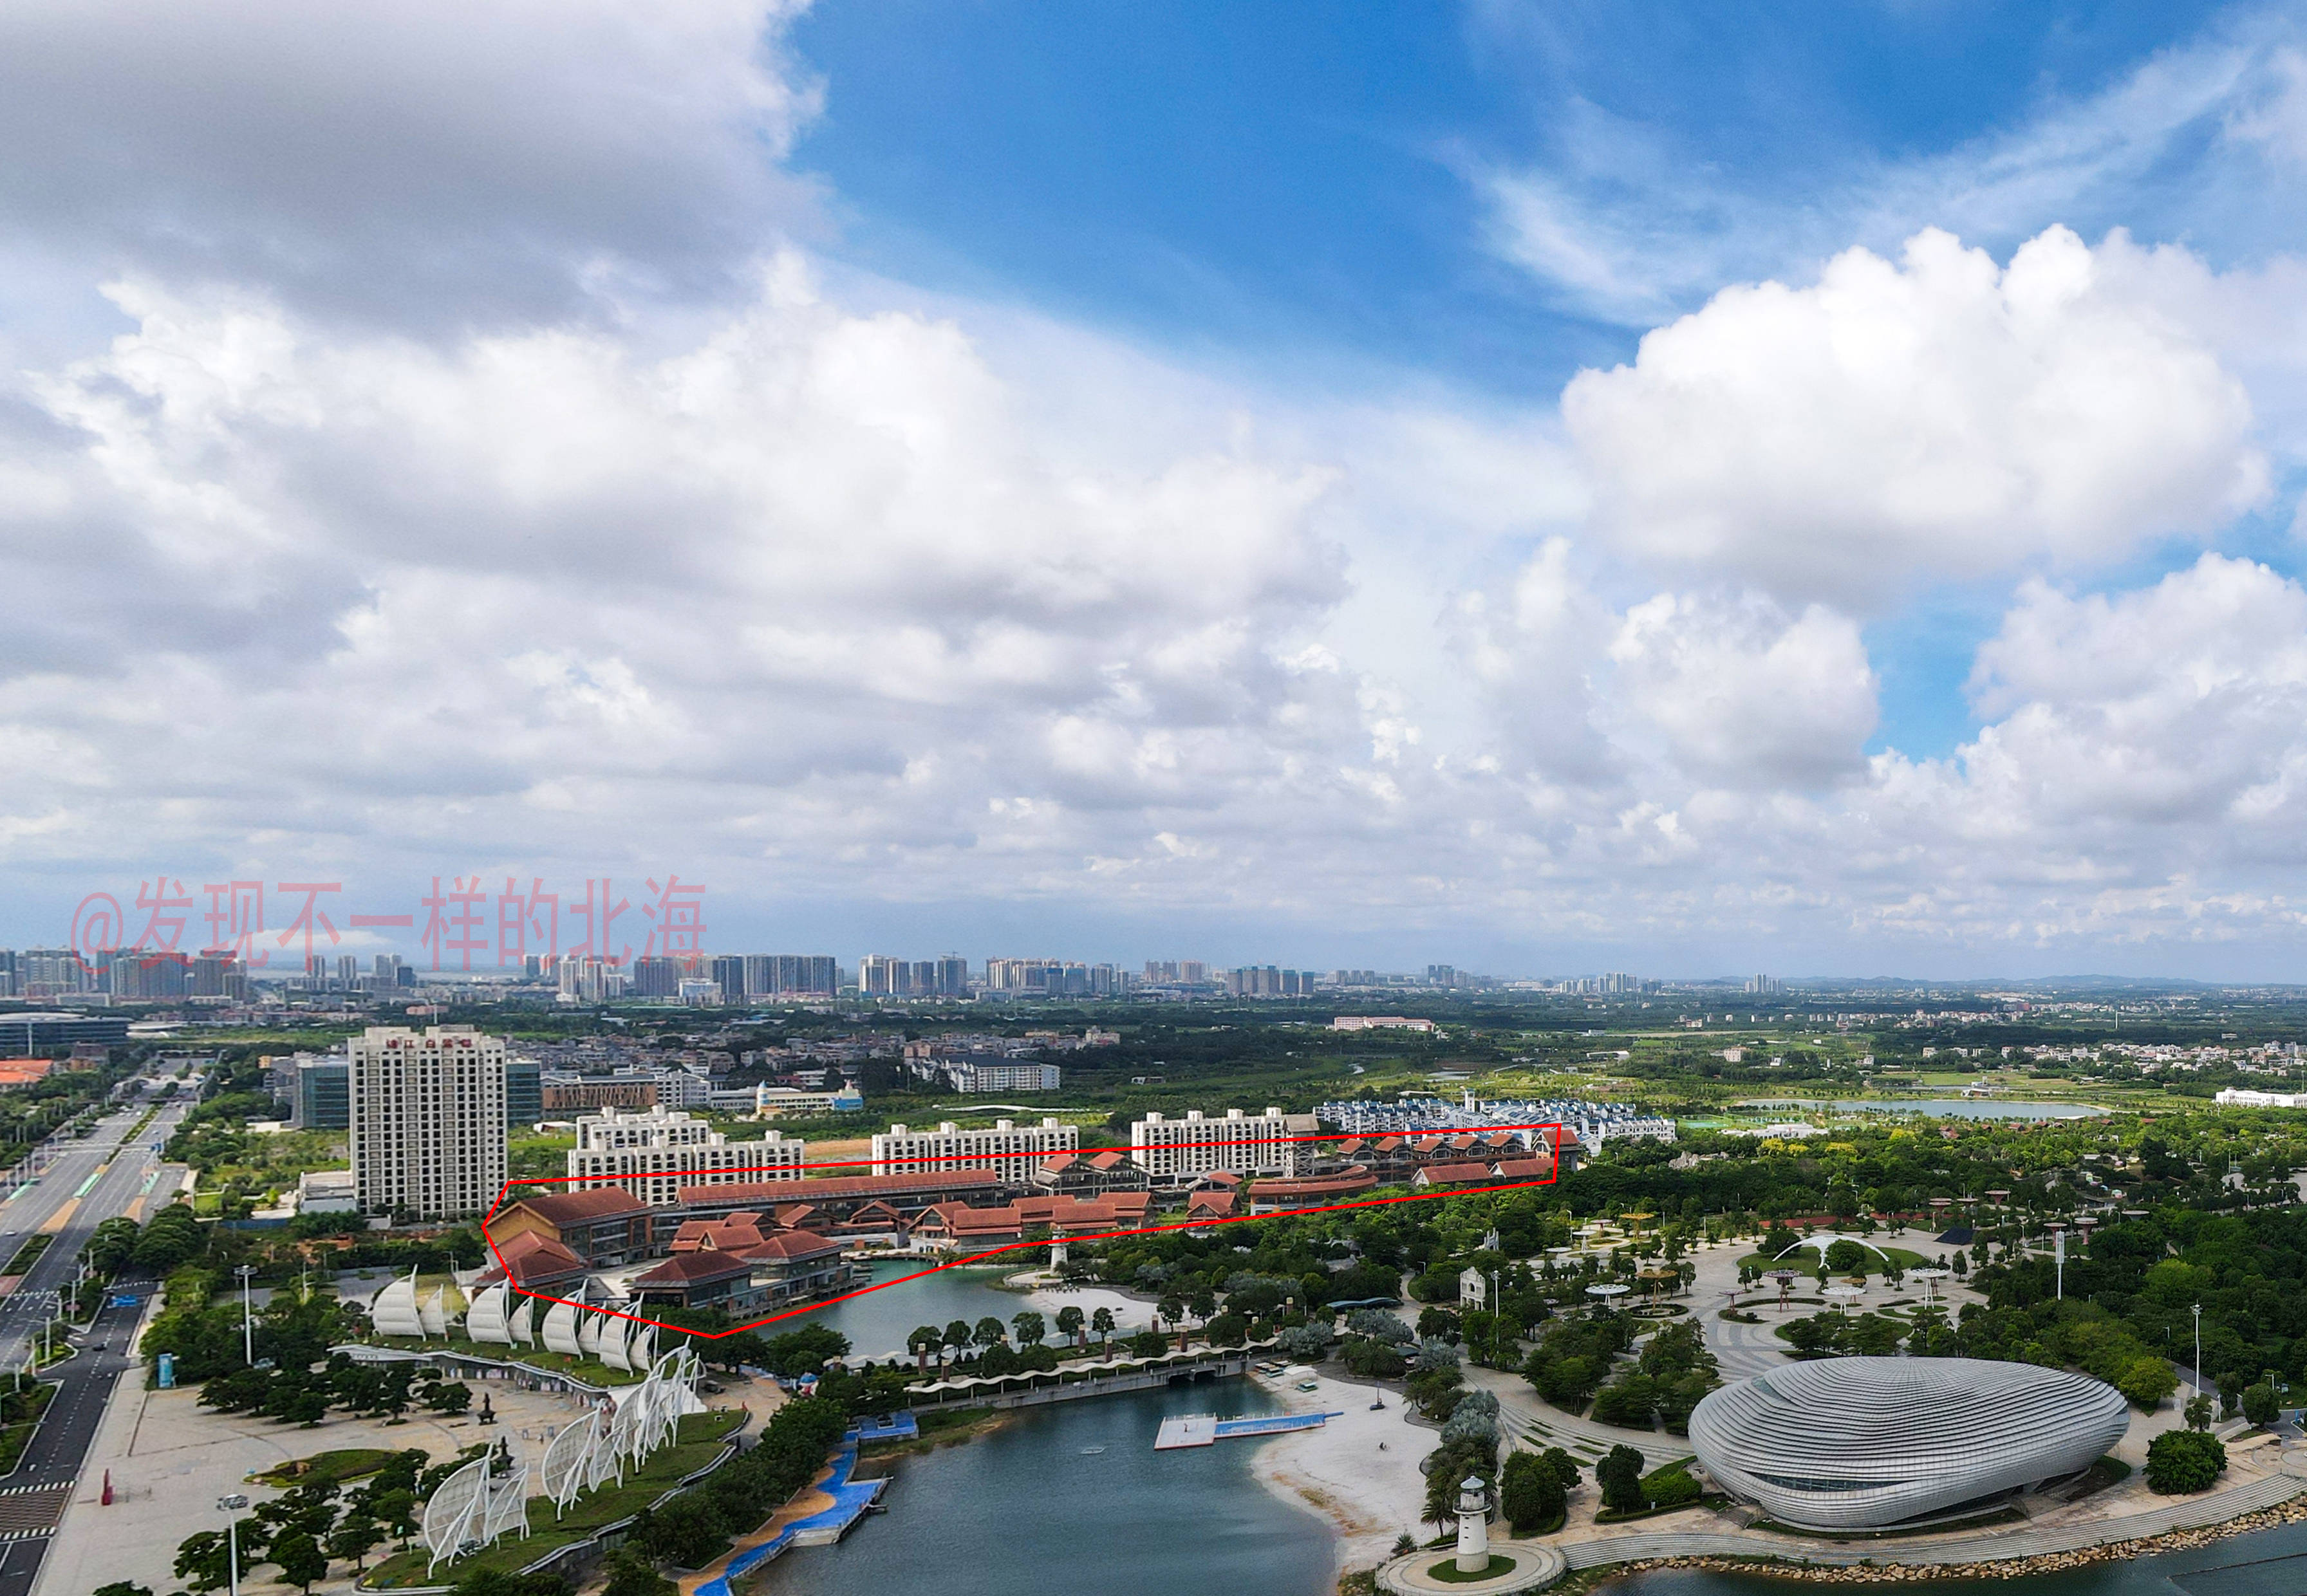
[(1804, 1261), (333, 1468), (28, 1254), (20, 1416), (1446, 1570), (584, 1368), (698, 1443)]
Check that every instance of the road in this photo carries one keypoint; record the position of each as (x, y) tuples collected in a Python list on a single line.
[(85, 1181)]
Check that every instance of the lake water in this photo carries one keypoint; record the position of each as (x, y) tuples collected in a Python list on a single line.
[(1944, 1108), (2270, 1563), (1030, 1506), (877, 1323)]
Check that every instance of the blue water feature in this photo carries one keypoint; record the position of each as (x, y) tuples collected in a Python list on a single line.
[(1073, 1493), (2268, 1563), (849, 1501)]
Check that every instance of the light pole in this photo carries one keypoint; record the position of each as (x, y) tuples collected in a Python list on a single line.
[(247, 1320), (231, 1504), (2199, 1346)]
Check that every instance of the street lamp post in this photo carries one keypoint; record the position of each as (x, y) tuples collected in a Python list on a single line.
[(2199, 1346), (247, 1319), (231, 1504)]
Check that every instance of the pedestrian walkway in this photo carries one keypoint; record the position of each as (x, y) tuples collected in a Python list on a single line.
[(847, 1504), (2189, 1512)]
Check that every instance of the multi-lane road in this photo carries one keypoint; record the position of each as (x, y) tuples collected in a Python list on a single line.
[(83, 1182)]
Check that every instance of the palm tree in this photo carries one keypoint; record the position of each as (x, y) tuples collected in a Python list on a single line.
[(1069, 1324), (924, 1340), (1029, 1329), (1102, 1321)]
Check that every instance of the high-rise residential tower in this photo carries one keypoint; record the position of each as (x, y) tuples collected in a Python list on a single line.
[(428, 1121)]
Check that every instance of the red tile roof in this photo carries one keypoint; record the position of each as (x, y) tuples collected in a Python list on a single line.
[(586, 1204)]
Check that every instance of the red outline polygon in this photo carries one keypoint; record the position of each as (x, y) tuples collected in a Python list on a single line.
[(978, 1258)]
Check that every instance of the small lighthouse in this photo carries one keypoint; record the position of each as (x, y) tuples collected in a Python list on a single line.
[(1473, 1527)]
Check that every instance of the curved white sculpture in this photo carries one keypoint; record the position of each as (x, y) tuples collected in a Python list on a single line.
[(485, 1319), (559, 1332), (520, 1318), (588, 1334), (472, 1508), (614, 1331), (640, 1352), (567, 1472), (433, 1310), (395, 1311), (1860, 1443)]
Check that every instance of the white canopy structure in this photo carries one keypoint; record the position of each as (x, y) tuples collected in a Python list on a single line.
[(520, 1318), (395, 1311), (571, 1460), (472, 1508), (588, 1334), (486, 1318), (561, 1329), (440, 1309), (613, 1332)]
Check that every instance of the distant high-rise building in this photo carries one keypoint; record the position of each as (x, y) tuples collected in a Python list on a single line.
[(1762, 985), (791, 974), (428, 1121), (879, 975), (147, 977), (348, 970), (524, 1092), (1441, 975), (655, 978), (727, 971), (1193, 972), (8, 987), (50, 972), (952, 976), (321, 1096), (218, 973)]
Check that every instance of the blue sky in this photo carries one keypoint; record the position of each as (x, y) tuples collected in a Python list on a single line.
[(1538, 487), (1287, 189)]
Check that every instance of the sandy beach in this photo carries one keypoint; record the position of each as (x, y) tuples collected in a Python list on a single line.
[(1370, 1496)]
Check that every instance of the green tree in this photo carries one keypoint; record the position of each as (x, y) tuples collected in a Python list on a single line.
[(1564, 1466), (957, 1335), (1102, 1321), (121, 1587), (2181, 1462), (1620, 1476), (353, 1540), (2258, 1403), (201, 1560), (1030, 1326), (631, 1573), (2145, 1380), (1069, 1324), (396, 1510), (2200, 1412), (302, 1561), (1530, 1494), (925, 1340), (990, 1331)]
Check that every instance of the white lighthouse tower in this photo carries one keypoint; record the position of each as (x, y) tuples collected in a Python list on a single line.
[(1473, 1527)]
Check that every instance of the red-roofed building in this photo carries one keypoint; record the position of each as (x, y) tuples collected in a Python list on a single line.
[(536, 1264), (701, 1278), (1450, 1175), (604, 1226)]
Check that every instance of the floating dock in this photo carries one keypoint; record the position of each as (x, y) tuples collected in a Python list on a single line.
[(1204, 1429)]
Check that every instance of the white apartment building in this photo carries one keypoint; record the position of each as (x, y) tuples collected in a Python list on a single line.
[(1008, 1150), (428, 1121), (654, 1152), (1246, 1143), (977, 1075)]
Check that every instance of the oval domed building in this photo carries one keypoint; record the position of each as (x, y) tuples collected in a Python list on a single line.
[(1863, 1443)]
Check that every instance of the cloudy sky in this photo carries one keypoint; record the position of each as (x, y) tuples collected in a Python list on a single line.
[(1540, 487)]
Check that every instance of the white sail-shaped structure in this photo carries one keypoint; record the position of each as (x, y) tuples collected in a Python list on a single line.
[(521, 1319), (641, 1353), (613, 1332), (588, 1334), (395, 1311), (473, 1507), (486, 1320), (571, 1460), (434, 1316), (561, 1329)]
